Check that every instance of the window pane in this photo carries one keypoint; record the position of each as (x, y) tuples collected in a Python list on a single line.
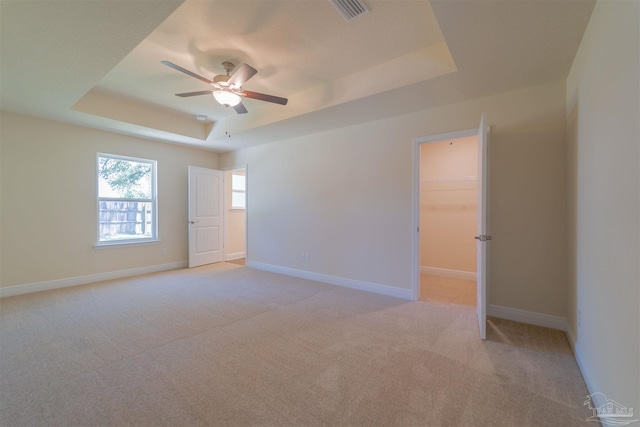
[(237, 200), (238, 182), (124, 178), (125, 220), (133, 216)]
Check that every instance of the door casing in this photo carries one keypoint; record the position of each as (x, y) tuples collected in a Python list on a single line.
[(246, 211), (415, 214)]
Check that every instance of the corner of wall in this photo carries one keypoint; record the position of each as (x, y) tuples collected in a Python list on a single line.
[(603, 203)]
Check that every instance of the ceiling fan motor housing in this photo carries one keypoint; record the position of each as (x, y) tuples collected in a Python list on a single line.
[(221, 80)]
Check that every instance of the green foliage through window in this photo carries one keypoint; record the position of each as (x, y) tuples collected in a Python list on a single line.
[(128, 179)]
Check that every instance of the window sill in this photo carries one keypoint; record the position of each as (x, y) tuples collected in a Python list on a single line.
[(115, 244)]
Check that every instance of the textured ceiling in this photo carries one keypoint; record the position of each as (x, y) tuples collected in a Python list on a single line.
[(97, 63)]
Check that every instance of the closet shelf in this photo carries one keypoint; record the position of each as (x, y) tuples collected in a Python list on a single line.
[(452, 179)]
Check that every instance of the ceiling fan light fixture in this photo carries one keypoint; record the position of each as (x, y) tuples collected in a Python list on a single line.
[(226, 98)]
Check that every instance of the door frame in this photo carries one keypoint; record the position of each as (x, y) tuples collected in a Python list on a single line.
[(246, 212), (484, 227), (415, 211)]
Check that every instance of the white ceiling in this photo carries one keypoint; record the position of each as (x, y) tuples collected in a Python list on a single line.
[(97, 63)]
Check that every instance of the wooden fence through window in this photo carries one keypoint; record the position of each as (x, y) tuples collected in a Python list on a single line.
[(125, 218)]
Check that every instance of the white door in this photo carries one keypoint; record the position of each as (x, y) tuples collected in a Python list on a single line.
[(205, 216), (483, 236)]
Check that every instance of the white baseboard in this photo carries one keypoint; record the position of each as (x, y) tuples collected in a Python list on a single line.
[(444, 272), (235, 255), (529, 317), (553, 322), (83, 280), (572, 339), (334, 280), (578, 356)]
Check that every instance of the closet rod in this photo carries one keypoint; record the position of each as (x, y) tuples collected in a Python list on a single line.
[(453, 179)]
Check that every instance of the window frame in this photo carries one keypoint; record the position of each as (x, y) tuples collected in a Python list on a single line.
[(153, 200)]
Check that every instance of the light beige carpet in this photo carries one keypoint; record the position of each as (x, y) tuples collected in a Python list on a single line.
[(226, 345), (447, 289)]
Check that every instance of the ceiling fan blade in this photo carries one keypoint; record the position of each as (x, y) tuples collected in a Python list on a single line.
[(264, 97), (241, 75), (240, 109), (200, 92), (184, 70)]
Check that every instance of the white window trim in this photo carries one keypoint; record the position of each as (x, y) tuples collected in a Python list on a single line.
[(153, 200)]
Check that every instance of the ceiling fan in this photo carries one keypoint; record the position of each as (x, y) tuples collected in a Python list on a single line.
[(228, 88)]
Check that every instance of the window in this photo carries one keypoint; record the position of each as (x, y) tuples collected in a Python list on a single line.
[(238, 190), (127, 205)]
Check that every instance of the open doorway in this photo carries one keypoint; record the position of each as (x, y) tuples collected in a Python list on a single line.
[(483, 236), (448, 212), (235, 202)]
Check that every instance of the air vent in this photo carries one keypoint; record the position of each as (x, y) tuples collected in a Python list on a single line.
[(350, 9)]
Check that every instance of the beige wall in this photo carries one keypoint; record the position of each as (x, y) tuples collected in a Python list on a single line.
[(1, 199), (234, 233), (345, 197), (49, 200), (603, 137), (448, 204)]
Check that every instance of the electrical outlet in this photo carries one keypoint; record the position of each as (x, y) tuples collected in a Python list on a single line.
[(302, 256), (164, 251), (579, 318), (307, 258)]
